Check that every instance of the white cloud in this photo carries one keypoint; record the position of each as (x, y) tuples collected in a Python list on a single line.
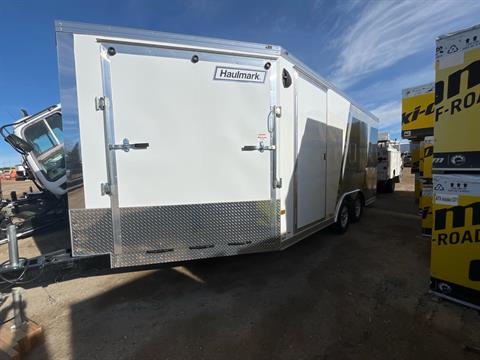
[(389, 89), (389, 114), (385, 32), (344, 5), (383, 98)]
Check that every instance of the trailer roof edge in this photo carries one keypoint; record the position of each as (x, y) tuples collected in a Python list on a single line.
[(160, 36), (151, 35), (286, 54)]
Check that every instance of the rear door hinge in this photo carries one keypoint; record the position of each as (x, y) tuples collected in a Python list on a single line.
[(277, 183), (277, 110), (105, 189), (99, 103)]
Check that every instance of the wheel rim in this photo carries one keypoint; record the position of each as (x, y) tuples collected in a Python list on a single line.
[(344, 217), (358, 208)]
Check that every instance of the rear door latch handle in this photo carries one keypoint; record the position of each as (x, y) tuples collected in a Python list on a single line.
[(260, 147), (126, 146)]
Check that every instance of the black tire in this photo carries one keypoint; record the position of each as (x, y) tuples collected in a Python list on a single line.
[(380, 187), (343, 219), (356, 210), (390, 186)]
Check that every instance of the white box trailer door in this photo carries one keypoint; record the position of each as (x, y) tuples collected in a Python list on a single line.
[(195, 125), (188, 190)]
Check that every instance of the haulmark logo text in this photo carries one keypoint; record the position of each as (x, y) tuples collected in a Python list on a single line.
[(235, 74)]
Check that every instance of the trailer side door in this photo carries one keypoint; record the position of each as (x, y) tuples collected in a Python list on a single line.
[(311, 150)]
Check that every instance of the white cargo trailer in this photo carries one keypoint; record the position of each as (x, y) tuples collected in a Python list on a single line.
[(248, 149)]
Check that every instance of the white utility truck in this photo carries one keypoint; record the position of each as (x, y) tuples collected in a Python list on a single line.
[(389, 167), (20, 173), (249, 150)]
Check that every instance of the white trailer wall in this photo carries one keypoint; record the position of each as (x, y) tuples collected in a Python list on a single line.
[(338, 119)]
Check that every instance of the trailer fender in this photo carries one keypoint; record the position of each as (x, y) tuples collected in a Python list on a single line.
[(347, 194)]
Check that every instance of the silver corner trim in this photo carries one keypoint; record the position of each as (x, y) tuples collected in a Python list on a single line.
[(70, 121), (109, 135), (295, 156), (273, 79), (347, 143)]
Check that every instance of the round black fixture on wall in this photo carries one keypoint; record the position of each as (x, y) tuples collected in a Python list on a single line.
[(111, 51), (286, 78), (267, 66), (194, 59)]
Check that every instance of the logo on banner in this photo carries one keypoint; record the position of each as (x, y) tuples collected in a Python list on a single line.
[(453, 227), (458, 160)]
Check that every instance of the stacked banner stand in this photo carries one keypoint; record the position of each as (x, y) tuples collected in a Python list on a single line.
[(442, 122), (455, 257)]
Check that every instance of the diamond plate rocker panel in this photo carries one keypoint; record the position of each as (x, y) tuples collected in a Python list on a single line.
[(92, 232), (182, 232)]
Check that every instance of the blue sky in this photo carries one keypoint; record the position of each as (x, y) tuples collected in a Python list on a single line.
[(370, 49)]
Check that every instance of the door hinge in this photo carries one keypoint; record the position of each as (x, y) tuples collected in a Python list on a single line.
[(105, 189), (99, 103), (278, 111), (277, 183)]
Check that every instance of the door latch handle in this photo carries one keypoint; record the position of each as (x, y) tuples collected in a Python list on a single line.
[(126, 146), (250, 148), (261, 147)]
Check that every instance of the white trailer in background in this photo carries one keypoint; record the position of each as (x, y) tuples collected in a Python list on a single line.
[(248, 149), (389, 167)]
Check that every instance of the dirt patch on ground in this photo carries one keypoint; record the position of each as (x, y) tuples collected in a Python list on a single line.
[(7, 186)]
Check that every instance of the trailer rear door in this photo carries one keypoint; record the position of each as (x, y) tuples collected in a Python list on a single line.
[(175, 125)]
